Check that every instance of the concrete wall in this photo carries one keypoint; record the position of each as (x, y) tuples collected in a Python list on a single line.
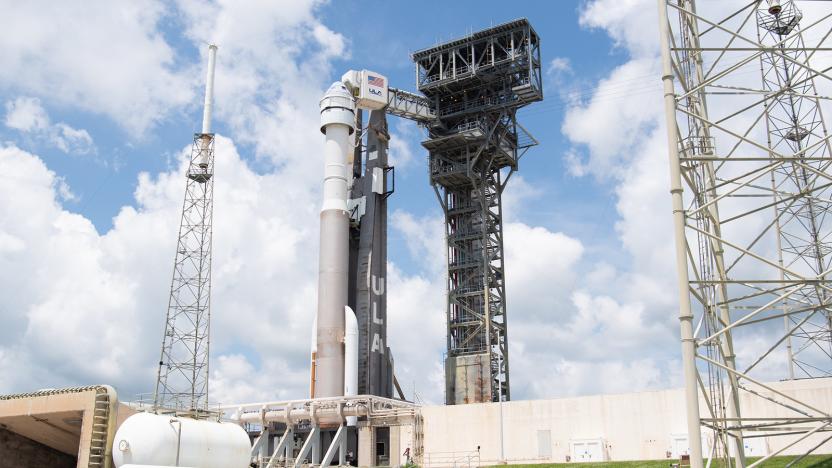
[(17, 451), (633, 426)]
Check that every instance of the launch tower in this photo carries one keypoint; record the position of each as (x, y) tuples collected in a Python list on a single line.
[(475, 86)]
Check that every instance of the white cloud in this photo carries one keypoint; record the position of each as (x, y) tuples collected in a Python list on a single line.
[(615, 122), (401, 153), (517, 197), (72, 140), (559, 65), (27, 115), (270, 74), (632, 24), (112, 287), (78, 292), (104, 57)]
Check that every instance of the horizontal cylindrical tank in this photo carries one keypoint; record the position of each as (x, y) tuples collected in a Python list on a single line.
[(148, 439)]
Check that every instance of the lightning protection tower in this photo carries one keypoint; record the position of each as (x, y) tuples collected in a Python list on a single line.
[(750, 185), (476, 85), (182, 379)]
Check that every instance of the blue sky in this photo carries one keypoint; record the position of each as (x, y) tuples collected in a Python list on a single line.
[(105, 181), (579, 245)]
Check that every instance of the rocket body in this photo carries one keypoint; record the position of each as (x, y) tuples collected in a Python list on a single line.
[(337, 124)]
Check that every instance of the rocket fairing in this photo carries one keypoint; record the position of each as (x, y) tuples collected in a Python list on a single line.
[(337, 124)]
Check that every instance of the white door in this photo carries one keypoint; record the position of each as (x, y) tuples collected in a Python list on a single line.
[(588, 451), (544, 445), (679, 446)]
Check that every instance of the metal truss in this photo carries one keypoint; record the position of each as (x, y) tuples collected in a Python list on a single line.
[(475, 86), (794, 124), (750, 189), (182, 380), (409, 106)]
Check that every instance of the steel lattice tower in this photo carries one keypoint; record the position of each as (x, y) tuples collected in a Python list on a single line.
[(476, 85), (750, 191), (182, 379), (795, 126)]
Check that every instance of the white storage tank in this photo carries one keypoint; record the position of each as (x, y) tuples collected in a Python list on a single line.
[(157, 440)]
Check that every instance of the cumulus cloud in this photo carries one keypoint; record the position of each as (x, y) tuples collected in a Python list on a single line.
[(104, 57), (273, 70), (577, 325), (27, 115), (89, 306)]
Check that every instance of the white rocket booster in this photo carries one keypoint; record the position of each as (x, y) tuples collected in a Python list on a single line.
[(337, 123), (350, 357)]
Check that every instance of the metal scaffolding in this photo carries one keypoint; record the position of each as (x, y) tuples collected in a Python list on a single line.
[(750, 189), (182, 383), (475, 86)]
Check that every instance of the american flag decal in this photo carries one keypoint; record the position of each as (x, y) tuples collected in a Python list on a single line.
[(375, 80)]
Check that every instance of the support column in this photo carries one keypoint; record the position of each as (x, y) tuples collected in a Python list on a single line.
[(685, 310), (366, 446)]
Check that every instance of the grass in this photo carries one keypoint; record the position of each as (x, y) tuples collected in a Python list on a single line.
[(812, 461)]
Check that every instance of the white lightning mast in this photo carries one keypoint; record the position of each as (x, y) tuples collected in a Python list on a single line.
[(182, 378)]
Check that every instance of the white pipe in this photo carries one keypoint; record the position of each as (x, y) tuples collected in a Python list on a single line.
[(350, 358), (328, 414), (337, 123), (685, 310), (359, 399), (209, 90), (206, 137)]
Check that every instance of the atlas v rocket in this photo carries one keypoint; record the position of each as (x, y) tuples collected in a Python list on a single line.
[(349, 351)]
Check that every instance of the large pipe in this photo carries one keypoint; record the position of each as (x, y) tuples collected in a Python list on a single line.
[(337, 123), (328, 414)]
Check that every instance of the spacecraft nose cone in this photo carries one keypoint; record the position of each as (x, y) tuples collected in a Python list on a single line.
[(338, 89), (338, 107)]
